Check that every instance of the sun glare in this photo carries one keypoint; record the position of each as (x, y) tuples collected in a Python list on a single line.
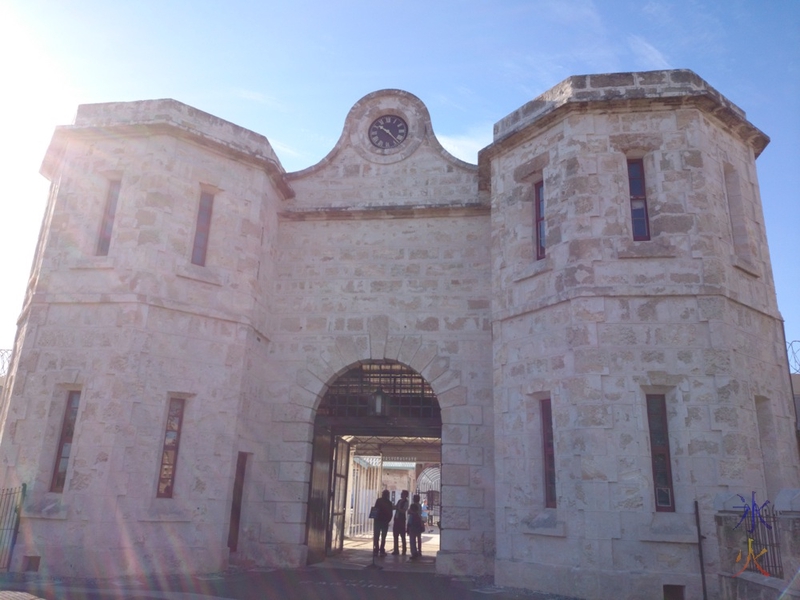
[(37, 97)]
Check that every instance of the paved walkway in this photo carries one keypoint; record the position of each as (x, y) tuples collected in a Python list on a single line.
[(353, 575), (295, 584)]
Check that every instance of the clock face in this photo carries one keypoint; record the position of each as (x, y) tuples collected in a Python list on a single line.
[(388, 131)]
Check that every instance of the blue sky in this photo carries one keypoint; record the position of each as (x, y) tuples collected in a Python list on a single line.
[(292, 71)]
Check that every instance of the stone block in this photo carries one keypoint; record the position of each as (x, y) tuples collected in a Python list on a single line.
[(787, 500)]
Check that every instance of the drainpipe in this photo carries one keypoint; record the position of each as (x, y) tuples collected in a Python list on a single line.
[(700, 538)]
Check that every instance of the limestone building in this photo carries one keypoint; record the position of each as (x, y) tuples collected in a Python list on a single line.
[(581, 329)]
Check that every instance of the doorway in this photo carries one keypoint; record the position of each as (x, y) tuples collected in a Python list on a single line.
[(378, 427)]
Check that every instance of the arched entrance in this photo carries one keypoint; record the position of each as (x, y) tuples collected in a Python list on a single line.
[(375, 414)]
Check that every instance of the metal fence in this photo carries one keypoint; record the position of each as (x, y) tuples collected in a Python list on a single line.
[(793, 352), (5, 362), (10, 509), (365, 487), (765, 536)]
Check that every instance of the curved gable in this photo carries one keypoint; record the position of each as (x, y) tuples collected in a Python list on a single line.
[(357, 174)]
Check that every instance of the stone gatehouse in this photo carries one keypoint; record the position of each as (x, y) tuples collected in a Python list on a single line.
[(582, 328)]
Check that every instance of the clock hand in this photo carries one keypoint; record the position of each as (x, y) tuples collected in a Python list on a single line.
[(389, 132)]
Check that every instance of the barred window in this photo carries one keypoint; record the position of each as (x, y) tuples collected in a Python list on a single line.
[(202, 229), (640, 221), (539, 225), (409, 395), (659, 452), (106, 226), (549, 455), (169, 455), (65, 442)]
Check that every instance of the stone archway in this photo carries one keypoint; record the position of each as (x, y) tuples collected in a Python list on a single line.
[(375, 408), (457, 367)]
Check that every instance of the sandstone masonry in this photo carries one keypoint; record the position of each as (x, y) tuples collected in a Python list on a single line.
[(543, 360)]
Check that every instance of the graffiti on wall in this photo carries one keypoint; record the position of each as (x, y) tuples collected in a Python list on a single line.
[(751, 512)]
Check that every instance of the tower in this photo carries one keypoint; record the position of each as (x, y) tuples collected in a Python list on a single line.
[(637, 340)]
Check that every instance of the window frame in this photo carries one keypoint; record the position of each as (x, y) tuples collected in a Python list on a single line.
[(638, 198), (660, 455), (168, 466), (202, 231), (539, 220), (109, 215), (65, 440), (548, 454)]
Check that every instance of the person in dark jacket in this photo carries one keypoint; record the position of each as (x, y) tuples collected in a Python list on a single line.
[(399, 523), (415, 527), (383, 514)]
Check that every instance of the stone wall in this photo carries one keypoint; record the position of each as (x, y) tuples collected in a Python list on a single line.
[(407, 254), (129, 331), (369, 256), (603, 321), (381, 255)]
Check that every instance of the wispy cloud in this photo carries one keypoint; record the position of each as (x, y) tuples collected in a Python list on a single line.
[(582, 13), (547, 59), (646, 55), (466, 145), (704, 33), (458, 99), (284, 149), (260, 98)]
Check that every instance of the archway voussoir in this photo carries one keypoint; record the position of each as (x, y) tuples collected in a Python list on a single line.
[(329, 353), (393, 346), (455, 396), (408, 348), (449, 380), (436, 368), (353, 349), (378, 327), (424, 355), (292, 413), (307, 380), (305, 397), (319, 368)]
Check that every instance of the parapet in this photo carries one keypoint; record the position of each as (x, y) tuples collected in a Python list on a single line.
[(674, 87), (167, 116)]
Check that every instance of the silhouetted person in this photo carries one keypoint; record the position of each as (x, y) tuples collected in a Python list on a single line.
[(415, 527), (399, 523), (383, 514)]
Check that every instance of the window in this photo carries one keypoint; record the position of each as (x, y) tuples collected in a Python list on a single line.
[(104, 239), (202, 229), (743, 245), (673, 592), (659, 452), (169, 456), (538, 192), (549, 455), (639, 220), (65, 442)]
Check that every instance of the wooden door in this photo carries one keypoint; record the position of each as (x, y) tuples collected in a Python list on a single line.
[(319, 495), (339, 502)]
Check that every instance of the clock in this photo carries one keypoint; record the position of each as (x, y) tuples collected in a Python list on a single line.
[(388, 131)]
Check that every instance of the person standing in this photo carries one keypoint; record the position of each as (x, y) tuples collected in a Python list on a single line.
[(399, 523), (383, 514), (415, 527)]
